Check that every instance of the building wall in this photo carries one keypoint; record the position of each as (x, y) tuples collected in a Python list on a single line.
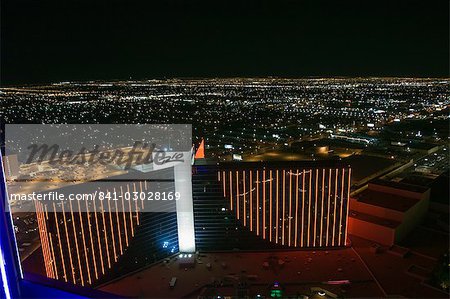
[(412, 218), (383, 234), (399, 192), (371, 231), (376, 210)]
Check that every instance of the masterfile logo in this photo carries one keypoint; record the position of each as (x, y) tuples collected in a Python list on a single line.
[(144, 164), (167, 159)]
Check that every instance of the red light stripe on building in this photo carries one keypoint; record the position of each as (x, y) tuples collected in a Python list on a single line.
[(59, 242), (334, 213), (105, 234), (92, 240), (112, 229), (55, 268), (342, 204), (309, 208), (328, 207), (270, 207), (251, 200), (231, 191), (84, 244), (124, 214), (284, 208), (348, 204), (296, 210), (244, 198), (321, 207), (131, 212), (68, 244), (316, 190), (290, 208), (264, 204), (237, 194), (76, 244), (44, 240), (257, 203), (277, 206), (224, 184), (119, 232), (303, 207)]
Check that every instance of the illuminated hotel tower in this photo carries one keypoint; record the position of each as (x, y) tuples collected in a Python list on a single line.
[(81, 247), (235, 205), (289, 204), (87, 242)]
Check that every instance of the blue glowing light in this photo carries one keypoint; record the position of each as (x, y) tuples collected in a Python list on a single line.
[(4, 278)]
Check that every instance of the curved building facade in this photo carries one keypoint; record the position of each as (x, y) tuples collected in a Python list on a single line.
[(271, 205), (91, 242), (297, 205), (236, 206)]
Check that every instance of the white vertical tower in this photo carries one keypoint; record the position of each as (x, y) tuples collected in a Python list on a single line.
[(185, 205)]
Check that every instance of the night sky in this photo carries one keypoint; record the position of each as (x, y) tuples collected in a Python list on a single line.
[(45, 41)]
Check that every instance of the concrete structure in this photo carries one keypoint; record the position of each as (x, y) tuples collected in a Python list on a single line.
[(425, 148), (386, 212)]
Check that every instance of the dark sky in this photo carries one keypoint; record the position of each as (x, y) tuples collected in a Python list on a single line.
[(61, 40)]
